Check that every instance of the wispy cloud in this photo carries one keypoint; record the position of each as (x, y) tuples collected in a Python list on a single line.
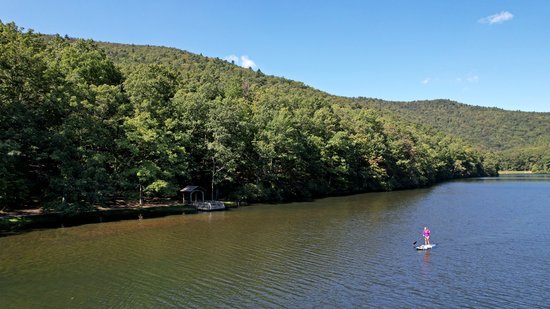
[(425, 81), (243, 61), (497, 18), (472, 79), (231, 58)]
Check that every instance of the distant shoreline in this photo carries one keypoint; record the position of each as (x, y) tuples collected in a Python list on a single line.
[(514, 172)]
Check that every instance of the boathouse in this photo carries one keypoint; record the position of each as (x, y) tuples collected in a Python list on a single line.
[(196, 199)]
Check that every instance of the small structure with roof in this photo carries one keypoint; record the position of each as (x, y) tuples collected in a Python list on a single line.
[(199, 203)]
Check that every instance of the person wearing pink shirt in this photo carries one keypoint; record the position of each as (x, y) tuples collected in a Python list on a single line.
[(426, 233)]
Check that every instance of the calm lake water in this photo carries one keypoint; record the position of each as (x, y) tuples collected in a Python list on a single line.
[(492, 235)]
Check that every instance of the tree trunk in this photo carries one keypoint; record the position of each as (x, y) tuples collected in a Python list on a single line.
[(140, 194), (213, 171)]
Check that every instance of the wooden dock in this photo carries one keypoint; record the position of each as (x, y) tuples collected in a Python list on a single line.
[(199, 203), (208, 205)]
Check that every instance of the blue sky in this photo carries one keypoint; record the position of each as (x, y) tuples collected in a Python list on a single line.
[(478, 52)]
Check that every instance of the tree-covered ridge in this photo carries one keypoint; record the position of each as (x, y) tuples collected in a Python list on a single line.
[(82, 125), (520, 139)]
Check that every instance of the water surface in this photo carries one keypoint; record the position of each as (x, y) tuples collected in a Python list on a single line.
[(493, 250)]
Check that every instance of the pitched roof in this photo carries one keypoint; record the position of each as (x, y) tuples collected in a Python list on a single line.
[(192, 189)]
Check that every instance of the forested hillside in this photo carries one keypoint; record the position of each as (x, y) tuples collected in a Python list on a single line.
[(83, 124), (521, 140)]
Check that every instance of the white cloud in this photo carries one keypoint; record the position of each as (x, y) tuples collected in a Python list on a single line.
[(425, 81), (243, 61), (231, 58), (497, 18), (248, 63)]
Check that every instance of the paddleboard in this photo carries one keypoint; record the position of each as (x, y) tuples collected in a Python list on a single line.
[(425, 247)]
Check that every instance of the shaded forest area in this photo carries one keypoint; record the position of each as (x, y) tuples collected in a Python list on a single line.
[(83, 124), (519, 141)]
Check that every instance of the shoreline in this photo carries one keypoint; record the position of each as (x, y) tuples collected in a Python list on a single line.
[(26, 220), (514, 172), (21, 221)]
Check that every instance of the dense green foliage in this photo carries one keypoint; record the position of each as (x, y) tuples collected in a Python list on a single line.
[(521, 140), (84, 123)]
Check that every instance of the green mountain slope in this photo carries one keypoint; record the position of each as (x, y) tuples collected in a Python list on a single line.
[(83, 124), (520, 139)]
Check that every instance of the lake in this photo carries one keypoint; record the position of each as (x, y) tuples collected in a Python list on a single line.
[(492, 236)]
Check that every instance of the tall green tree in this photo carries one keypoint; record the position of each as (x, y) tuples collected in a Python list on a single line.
[(154, 145), (84, 154), (28, 112)]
